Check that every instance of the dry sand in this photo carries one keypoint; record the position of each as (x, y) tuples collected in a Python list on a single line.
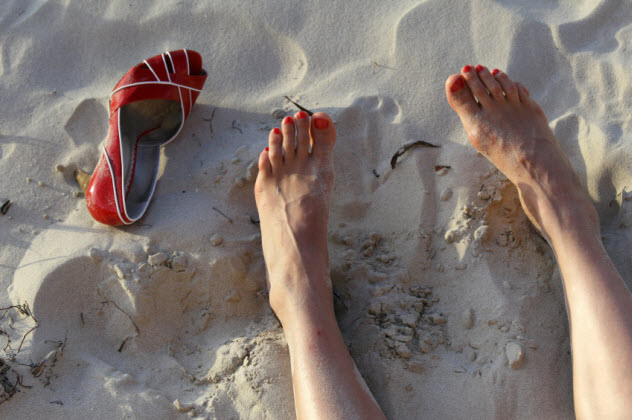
[(451, 305)]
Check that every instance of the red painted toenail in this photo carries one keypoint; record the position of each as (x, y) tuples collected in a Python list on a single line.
[(495, 72), (288, 120), (276, 130), (457, 85), (467, 69), (302, 115), (479, 68), (267, 149), (321, 123)]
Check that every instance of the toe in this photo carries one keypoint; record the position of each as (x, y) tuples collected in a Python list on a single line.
[(523, 93), (289, 138), (275, 153), (265, 168), (476, 85), (460, 96), (301, 120), (323, 134), (509, 87), (490, 82)]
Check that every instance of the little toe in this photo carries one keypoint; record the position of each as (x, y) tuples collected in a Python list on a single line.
[(275, 153), (460, 96), (476, 85), (289, 138), (509, 87), (490, 82), (323, 134), (265, 168), (301, 120)]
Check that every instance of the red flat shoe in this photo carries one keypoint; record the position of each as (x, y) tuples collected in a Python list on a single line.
[(148, 107)]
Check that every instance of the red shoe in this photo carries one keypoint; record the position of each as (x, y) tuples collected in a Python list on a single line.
[(148, 108)]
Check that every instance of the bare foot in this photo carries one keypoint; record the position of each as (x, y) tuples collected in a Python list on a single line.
[(293, 192), (510, 129)]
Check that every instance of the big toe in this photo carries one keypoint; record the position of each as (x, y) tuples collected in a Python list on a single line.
[(460, 96), (323, 134)]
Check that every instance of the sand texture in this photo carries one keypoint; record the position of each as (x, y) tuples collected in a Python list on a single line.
[(451, 304)]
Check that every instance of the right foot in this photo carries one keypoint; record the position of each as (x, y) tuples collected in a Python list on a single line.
[(509, 128)]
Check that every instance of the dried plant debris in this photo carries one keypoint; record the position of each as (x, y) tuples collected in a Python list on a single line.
[(10, 378), (440, 167), (5, 207), (310, 113), (235, 126), (611, 201), (125, 340), (407, 147), (220, 212), (210, 120), (83, 179)]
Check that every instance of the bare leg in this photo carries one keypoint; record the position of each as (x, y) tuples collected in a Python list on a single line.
[(293, 192), (511, 130)]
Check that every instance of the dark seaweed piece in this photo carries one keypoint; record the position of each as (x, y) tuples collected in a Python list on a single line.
[(408, 146), (375, 173), (310, 113), (5, 207)]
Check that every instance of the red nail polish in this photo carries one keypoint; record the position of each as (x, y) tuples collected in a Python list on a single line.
[(467, 69), (276, 130), (457, 85), (321, 123), (302, 115), (267, 149), (495, 72), (288, 120), (479, 68)]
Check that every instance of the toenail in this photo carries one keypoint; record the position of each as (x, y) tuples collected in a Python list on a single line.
[(321, 123), (457, 85), (495, 72), (467, 69), (479, 68), (267, 149), (276, 130), (302, 115), (288, 120)]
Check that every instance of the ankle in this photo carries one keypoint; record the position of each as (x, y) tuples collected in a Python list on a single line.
[(569, 214), (302, 293)]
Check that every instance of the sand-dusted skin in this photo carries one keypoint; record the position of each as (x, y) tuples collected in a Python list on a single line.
[(293, 192)]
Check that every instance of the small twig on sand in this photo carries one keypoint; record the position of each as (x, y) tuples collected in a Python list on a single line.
[(27, 333), (375, 63), (130, 318), (310, 113), (210, 120), (229, 219), (235, 126)]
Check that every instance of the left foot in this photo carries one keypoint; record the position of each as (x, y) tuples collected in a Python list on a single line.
[(293, 192)]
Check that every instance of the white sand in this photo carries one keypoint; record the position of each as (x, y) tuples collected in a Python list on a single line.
[(207, 337)]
